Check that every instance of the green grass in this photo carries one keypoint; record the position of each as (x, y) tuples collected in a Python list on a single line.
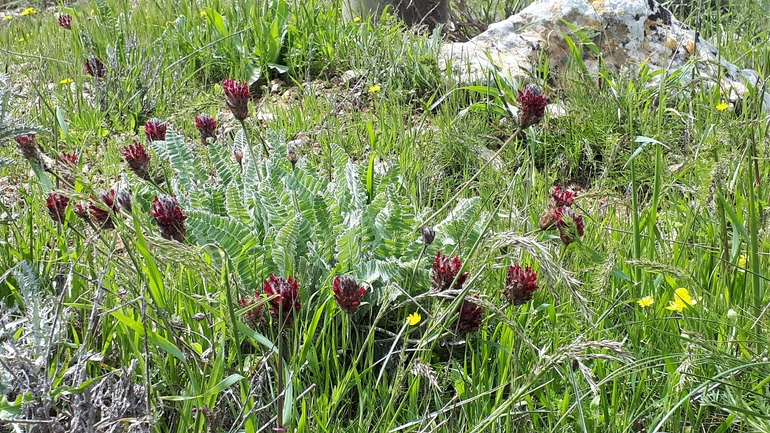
[(87, 312)]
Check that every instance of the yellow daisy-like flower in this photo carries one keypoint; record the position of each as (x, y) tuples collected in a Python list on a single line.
[(414, 319), (646, 301), (28, 11), (722, 107), (8, 17), (743, 261), (203, 13), (374, 88), (357, 19), (682, 300), (66, 81)]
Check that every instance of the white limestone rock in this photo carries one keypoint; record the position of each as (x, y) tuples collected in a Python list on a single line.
[(627, 33)]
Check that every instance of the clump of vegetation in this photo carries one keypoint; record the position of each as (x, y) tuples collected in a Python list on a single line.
[(255, 216)]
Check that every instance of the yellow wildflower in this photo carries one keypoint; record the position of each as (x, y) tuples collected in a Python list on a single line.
[(66, 81), (722, 106), (28, 11), (374, 88), (682, 300), (8, 17), (743, 261), (21, 39), (646, 301), (414, 319), (357, 19), (203, 13)]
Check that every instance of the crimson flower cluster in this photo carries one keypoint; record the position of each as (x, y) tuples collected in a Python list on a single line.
[(28, 147), (95, 68), (238, 97), (559, 198), (138, 159), (65, 21), (285, 299), (169, 217), (57, 207), (569, 224), (469, 320), (68, 158), (559, 213), (348, 293), (532, 104), (445, 272), (520, 284), (155, 129), (103, 218), (207, 128)]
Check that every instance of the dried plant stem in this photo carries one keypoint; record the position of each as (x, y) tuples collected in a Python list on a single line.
[(279, 378), (474, 177)]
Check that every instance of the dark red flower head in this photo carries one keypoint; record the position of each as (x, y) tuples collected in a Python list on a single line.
[(169, 217), (65, 21), (138, 159), (570, 224), (207, 127), (238, 97), (285, 299), (254, 316), (95, 67), (520, 284), (155, 129), (445, 271), (562, 196), (532, 104), (28, 147), (68, 158), (81, 209), (348, 293), (470, 318), (103, 218), (559, 198), (57, 207)]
